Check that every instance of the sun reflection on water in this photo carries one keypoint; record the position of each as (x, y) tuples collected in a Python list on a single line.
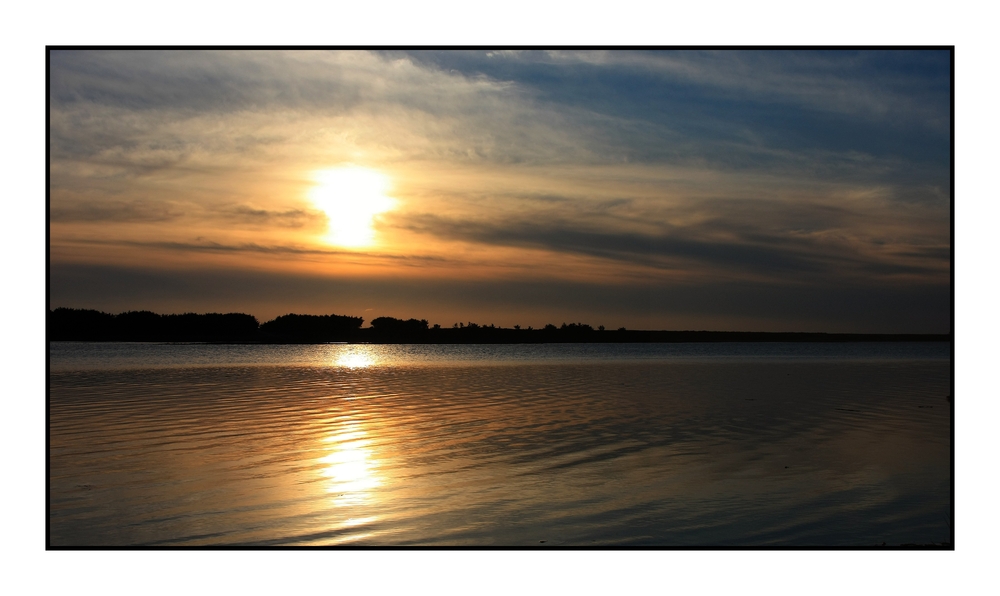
[(351, 465), (355, 357), (355, 361), (351, 469)]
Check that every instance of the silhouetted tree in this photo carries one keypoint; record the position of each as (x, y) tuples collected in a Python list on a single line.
[(392, 324), (392, 329), (71, 324), (310, 328), (141, 325), (211, 327)]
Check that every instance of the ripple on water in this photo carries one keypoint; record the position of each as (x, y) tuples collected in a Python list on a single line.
[(691, 452)]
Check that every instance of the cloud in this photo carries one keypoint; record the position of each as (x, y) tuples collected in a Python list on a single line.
[(768, 110), (115, 211), (209, 246), (167, 107), (291, 218), (845, 82), (137, 211), (711, 249)]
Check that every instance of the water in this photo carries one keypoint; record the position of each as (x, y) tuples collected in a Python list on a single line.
[(533, 445)]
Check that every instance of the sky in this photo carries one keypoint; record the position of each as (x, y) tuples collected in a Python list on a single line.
[(727, 190)]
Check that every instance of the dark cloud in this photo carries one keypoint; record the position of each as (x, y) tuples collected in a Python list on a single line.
[(715, 247), (160, 211), (910, 84), (290, 218), (877, 118), (939, 253), (115, 211), (202, 245)]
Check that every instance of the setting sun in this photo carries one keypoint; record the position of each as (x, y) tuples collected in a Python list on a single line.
[(351, 197)]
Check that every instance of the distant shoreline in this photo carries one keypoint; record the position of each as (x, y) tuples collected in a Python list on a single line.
[(237, 328)]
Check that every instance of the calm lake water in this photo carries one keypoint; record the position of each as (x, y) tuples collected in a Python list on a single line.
[(499, 445)]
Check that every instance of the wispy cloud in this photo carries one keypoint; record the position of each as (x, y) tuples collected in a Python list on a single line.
[(711, 249), (115, 211), (846, 81), (151, 108), (291, 218), (210, 246)]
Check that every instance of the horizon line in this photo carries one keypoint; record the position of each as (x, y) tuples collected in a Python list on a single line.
[(576, 326)]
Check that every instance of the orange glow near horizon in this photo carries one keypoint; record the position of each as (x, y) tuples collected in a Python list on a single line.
[(351, 197)]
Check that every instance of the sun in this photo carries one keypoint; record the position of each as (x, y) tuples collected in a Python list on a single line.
[(351, 197)]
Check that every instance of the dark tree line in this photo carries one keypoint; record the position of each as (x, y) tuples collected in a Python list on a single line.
[(90, 325), (67, 324)]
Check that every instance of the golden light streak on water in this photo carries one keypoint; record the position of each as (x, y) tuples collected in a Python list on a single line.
[(354, 360), (352, 469)]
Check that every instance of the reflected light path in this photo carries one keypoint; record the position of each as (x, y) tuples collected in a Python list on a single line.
[(350, 468), (355, 361), (355, 357), (352, 474), (350, 465)]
